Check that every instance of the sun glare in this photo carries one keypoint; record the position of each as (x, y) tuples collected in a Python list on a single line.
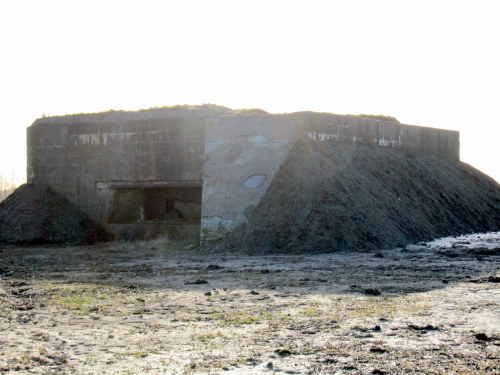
[(427, 63)]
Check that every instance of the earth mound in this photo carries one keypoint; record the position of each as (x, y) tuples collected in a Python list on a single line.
[(36, 214), (329, 197)]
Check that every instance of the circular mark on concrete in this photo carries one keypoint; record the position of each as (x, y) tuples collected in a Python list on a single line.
[(255, 180)]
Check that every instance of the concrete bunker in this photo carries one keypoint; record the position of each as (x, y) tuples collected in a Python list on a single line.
[(196, 172)]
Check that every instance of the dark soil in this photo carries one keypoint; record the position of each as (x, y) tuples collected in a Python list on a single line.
[(35, 214), (330, 197), (136, 308)]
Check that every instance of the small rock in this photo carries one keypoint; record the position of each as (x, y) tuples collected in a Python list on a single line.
[(377, 350), (482, 337), (379, 255), (254, 293), (377, 328), (378, 372), (428, 327), (269, 365), (213, 267), (360, 329), (372, 292), (309, 332), (445, 281), (208, 293), (197, 282), (283, 352)]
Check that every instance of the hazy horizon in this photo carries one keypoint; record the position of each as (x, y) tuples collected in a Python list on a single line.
[(426, 63)]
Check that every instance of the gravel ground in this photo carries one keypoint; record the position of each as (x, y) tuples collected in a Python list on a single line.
[(165, 308)]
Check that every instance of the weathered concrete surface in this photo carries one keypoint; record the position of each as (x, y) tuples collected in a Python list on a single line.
[(85, 161), (242, 155), (230, 158), (351, 129)]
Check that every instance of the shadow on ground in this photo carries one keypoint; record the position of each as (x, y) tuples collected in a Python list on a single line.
[(162, 265)]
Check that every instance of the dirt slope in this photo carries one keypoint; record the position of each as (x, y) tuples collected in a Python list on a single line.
[(329, 197), (37, 214)]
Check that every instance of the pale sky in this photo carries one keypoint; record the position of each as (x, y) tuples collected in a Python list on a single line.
[(432, 63)]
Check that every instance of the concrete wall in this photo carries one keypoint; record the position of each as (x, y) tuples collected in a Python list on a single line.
[(84, 161), (350, 129), (242, 155), (233, 157)]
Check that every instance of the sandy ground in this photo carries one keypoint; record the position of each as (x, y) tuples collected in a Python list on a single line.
[(159, 308)]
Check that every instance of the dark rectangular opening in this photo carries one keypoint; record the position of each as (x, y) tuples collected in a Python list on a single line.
[(180, 205)]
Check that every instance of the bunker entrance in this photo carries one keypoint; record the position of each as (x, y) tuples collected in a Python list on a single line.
[(175, 205)]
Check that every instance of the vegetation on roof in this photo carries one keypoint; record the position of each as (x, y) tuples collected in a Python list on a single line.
[(217, 110), (377, 117)]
